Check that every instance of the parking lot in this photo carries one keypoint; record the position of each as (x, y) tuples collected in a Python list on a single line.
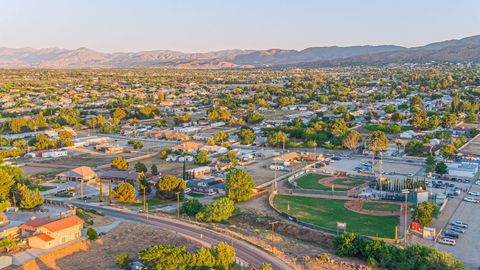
[(468, 244), (391, 169)]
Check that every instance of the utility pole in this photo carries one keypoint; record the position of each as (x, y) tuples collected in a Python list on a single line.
[(405, 191), (144, 199), (110, 192), (273, 236), (81, 189), (147, 210), (178, 203)]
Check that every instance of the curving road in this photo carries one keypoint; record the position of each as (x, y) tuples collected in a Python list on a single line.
[(246, 252)]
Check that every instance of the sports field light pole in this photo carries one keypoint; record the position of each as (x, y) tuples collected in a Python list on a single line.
[(405, 191)]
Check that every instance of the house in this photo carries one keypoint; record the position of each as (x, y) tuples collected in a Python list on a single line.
[(118, 176), (187, 147), (200, 172), (208, 186), (287, 159), (82, 173), (45, 233)]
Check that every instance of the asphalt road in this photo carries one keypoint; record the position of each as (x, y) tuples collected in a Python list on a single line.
[(246, 252)]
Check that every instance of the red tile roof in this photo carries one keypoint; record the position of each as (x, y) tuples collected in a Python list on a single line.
[(32, 224), (61, 224), (45, 237)]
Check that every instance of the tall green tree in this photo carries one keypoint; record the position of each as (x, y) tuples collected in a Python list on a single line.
[(239, 185), (124, 192)]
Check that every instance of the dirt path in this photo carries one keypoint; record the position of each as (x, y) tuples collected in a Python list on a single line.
[(357, 206)]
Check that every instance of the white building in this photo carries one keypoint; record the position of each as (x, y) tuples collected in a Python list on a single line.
[(462, 170)]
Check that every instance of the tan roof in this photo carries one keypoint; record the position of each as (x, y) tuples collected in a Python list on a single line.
[(187, 146), (80, 172)]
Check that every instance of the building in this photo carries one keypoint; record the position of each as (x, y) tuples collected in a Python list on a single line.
[(83, 173), (200, 172), (45, 233), (210, 186), (118, 176), (187, 147), (462, 170)]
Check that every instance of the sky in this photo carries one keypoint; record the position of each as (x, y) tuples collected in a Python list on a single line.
[(209, 25)]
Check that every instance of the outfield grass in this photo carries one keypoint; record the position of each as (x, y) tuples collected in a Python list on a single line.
[(310, 181), (326, 212), (379, 206), (348, 181)]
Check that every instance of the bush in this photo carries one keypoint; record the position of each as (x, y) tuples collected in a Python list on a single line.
[(219, 210), (191, 207), (92, 234)]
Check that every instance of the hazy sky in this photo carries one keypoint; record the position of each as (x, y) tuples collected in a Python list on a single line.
[(207, 25)]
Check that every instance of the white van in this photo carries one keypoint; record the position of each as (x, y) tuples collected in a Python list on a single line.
[(447, 241)]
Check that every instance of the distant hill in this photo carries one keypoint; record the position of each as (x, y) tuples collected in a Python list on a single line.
[(462, 50)]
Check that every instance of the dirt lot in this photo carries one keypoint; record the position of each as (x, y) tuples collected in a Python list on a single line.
[(261, 172), (100, 254)]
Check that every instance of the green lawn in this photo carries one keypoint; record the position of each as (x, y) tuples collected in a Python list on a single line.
[(310, 181), (196, 195), (41, 188), (348, 181), (151, 203), (379, 206), (326, 212)]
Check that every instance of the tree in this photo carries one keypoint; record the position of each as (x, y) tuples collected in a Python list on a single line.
[(239, 185), (204, 259), (100, 193), (430, 162), (120, 164), (277, 138), (441, 168), (124, 192), (351, 140), (92, 234), (29, 198), (154, 169), (225, 256), (64, 138), (123, 260), (140, 167), (119, 113), (414, 148), (219, 210), (425, 212), (168, 185), (419, 119), (6, 184), (165, 257), (448, 151), (201, 158), (246, 135), (8, 242), (191, 207), (265, 266), (377, 142), (339, 127), (143, 185)]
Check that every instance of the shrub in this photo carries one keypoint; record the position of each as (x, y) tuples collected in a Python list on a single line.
[(92, 234)]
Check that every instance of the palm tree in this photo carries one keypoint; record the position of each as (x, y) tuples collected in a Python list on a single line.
[(377, 142)]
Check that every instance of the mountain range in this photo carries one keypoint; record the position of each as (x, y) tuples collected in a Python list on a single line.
[(461, 50)]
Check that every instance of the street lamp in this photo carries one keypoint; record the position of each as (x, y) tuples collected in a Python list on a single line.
[(405, 191)]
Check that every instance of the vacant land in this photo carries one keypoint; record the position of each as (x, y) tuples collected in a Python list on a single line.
[(378, 206), (326, 213)]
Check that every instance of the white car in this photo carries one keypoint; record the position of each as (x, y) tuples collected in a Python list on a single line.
[(471, 199), (477, 182), (447, 241), (474, 193)]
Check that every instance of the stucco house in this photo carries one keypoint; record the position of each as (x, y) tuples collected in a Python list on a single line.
[(45, 233)]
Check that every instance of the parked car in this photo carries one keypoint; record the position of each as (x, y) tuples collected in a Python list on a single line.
[(471, 199), (459, 223), (452, 234), (458, 229), (447, 241), (474, 193), (477, 182)]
